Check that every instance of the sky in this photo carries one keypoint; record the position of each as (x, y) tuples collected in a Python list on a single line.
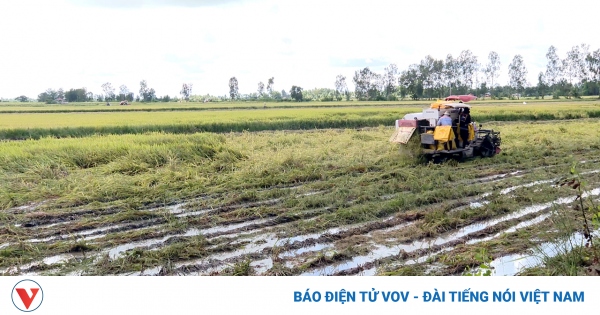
[(85, 43)]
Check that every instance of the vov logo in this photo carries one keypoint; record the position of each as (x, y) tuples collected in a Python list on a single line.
[(27, 295)]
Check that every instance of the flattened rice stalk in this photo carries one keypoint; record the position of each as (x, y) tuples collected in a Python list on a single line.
[(412, 150)]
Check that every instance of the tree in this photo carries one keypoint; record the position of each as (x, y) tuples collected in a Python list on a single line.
[(270, 85), (492, 69), (517, 73), (542, 85), (467, 68), (483, 89), (234, 92), (593, 65), (569, 64), (76, 95), (366, 84), (123, 92), (22, 98), (123, 89), (143, 89), (186, 91), (146, 94), (391, 72), (261, 89), (437, 77), (109, 91), (60, 94), (451, 72), (284, 94), (340, 87), (553, 68), (49, 96), (574, 64), (411, 82), (296, 93)]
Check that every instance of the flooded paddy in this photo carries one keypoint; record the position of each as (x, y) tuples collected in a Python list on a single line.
[(278, 206)]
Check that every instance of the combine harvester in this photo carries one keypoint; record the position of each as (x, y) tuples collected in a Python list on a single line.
[(419, 132)]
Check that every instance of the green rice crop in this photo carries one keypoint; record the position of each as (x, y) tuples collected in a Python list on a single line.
[(36, 125)]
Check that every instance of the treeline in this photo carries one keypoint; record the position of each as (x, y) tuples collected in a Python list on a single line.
[(573, 76)]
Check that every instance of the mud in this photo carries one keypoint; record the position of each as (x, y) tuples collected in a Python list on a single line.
[(269, 242), (462, 235)]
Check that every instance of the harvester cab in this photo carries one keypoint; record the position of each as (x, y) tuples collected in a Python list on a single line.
[(420, 132)]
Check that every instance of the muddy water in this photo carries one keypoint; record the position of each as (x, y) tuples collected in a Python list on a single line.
[(261, 266), (266, 241), (78, 234), (382, 251), (116, 252), (52, 260), (513, 264), (521, 225)]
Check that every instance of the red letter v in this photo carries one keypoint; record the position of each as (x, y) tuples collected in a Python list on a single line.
[(25, 297)]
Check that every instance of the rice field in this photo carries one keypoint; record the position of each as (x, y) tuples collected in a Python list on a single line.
[(313, 200), (20, 126), (36, 107)]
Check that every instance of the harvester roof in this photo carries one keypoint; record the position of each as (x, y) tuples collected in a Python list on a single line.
[(449, 104)]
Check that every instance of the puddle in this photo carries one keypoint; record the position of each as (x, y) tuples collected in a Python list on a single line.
[(41, 240), (368, 272), (525, 211), (538, 182), (151, 272), (262, 242), (182, 214), (312, 193), (331, 231), (315, 248), (52, 260), (116, 252), (262, 266), (513, 264), (54, 224), (59, 259), (382, 251), (478, 204), (475, 205), (28, 207), (77, 234), (194, 213), (98, 230), (266, 241), (391, 228), (173, 209), (178, 208), (227, 228), (521, 225), (239, 206)]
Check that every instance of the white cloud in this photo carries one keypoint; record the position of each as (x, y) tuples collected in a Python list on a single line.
[(69, 44)]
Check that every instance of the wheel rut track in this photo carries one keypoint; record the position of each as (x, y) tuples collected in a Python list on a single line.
[(325, 238)]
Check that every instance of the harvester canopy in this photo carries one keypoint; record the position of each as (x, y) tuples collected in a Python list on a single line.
[(448, 104)]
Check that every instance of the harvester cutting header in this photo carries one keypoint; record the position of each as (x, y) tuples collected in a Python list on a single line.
[(445, 130)]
